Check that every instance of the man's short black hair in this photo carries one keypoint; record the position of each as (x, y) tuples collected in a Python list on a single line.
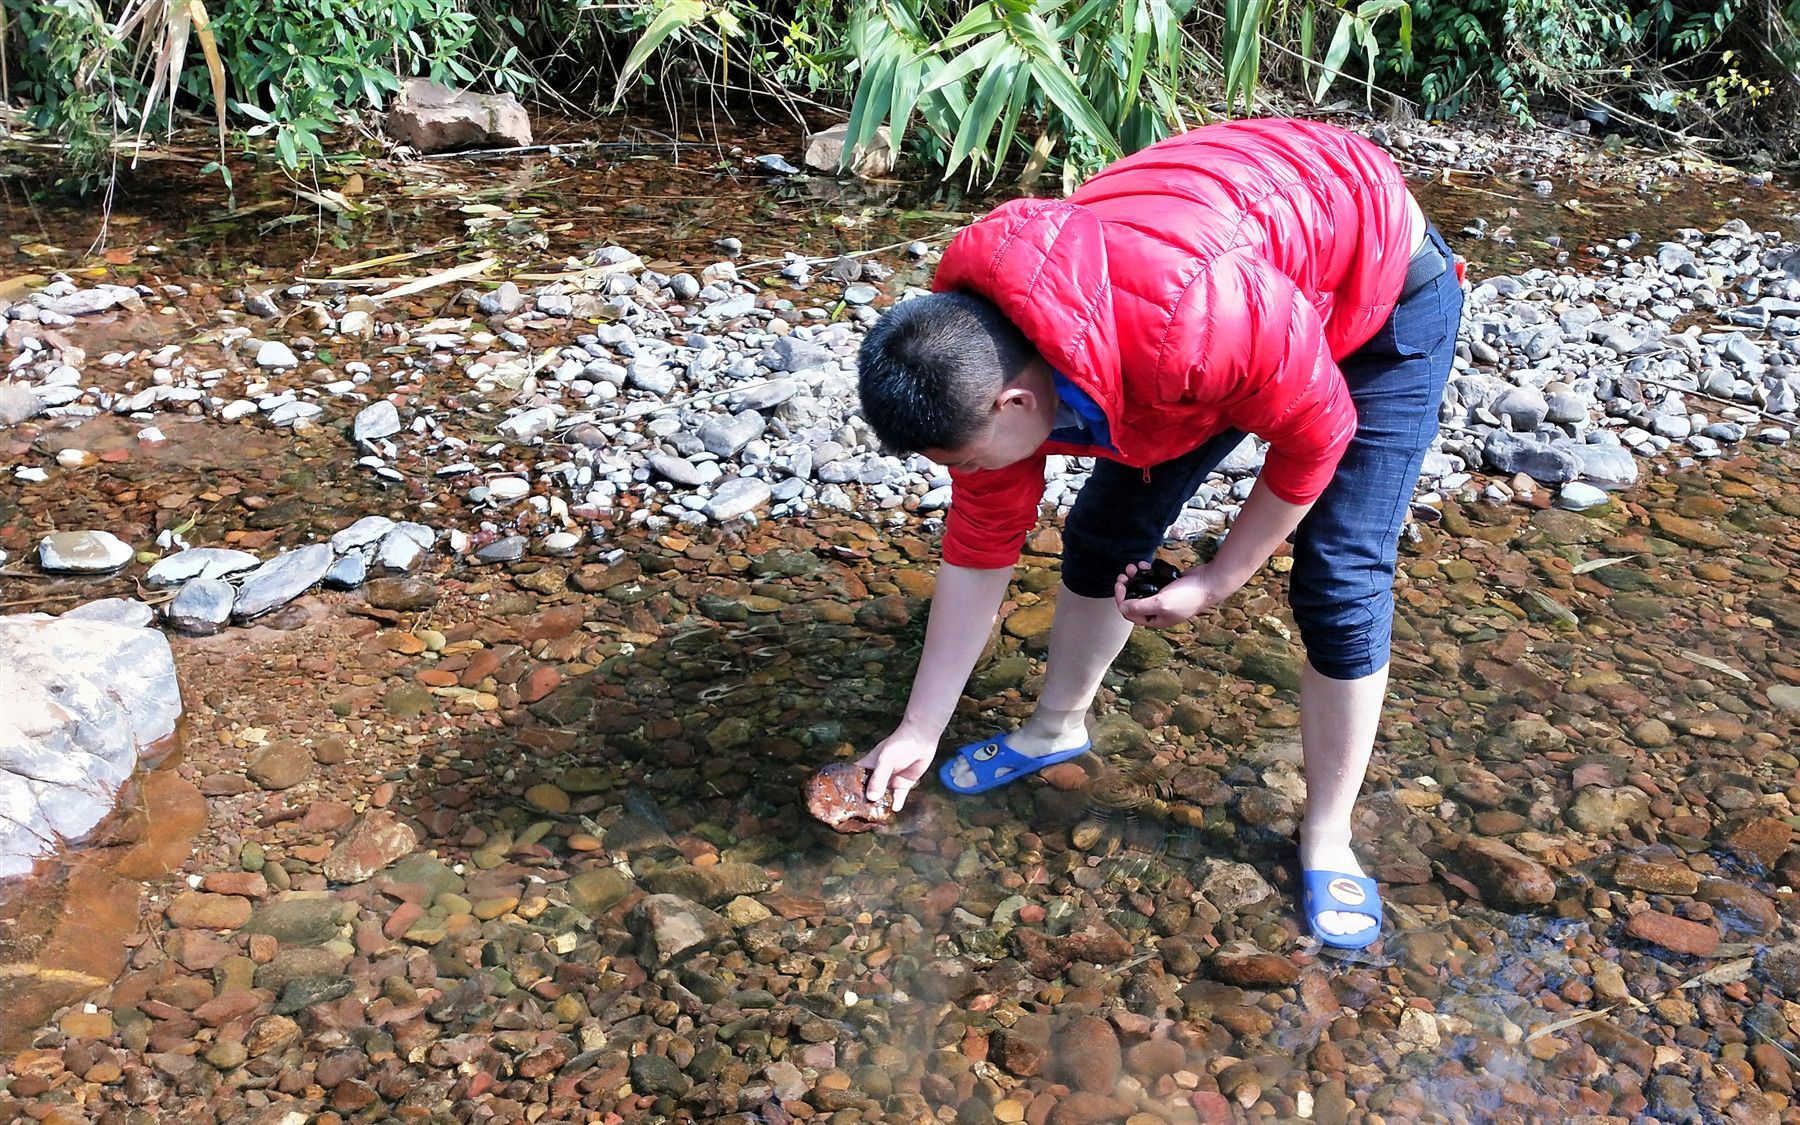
[(931, 368)]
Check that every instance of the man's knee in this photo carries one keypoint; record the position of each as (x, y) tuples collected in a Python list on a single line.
[(1347, 639)]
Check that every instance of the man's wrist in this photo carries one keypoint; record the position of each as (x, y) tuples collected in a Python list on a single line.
[(924, 729)]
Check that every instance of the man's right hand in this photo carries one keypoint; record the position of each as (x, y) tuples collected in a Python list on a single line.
[(897, 764)]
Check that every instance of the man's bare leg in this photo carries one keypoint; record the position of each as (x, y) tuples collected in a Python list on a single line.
[(1085, 637), (1338, 720)]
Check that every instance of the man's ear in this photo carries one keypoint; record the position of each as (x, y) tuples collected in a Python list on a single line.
[(1017, 394)]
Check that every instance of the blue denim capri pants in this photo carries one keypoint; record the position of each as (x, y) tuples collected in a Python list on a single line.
[(1341, 588)]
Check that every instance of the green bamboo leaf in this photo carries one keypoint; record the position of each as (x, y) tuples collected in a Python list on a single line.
[(869, 109), (1060, 86), (1009, 122), (677, 14), (907, 83), (1137, 18), (1335, 56), (981, 55), (984, 109)]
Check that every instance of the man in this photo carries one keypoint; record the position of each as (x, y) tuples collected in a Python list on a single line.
[(1270, 277)]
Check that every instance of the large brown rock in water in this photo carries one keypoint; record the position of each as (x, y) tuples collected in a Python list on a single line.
[(433, 118), (835, 795)]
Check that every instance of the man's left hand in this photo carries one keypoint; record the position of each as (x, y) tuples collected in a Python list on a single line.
[(1194, 592)]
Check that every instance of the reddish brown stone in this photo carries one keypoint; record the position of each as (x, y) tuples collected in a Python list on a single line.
[(1017, 1054), (1154, 1058), (557, 621), (249, 884), (1088, 1056), (1507, 877), (1761, 841), (194, 910), (373, 842), (1248, 967), (1677, 934), (228, 1006), (1082, 1108), (1066, 776), (837, 796), (538, 683)]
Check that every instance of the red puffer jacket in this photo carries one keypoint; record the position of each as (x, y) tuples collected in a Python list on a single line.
[(1209, 281)]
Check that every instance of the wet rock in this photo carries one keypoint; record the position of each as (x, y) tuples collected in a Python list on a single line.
[(671, 929), (83, 552), (84, 699), (1232, 886), (404, 593), (836, 796), (304, 992), (1760, 841), (1739, 910), (199, 562), (196, 910), (18, 404), (1018, 1053), (1506, 876), (433, 118), (1689, 532), (1270, 662), (715, 884), (280, 765), (296, 920), (1246, 966), (657, 1074), (376, 839), (1656, 877), (1088, 1054), (375, 421), (1601, 810), (281, 580), (597, 890), (1780, 966), (1090, 939), (1677, 934), (1084, 1108)]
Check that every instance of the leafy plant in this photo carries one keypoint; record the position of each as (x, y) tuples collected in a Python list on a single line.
[(1012, 69), (1357, 27)]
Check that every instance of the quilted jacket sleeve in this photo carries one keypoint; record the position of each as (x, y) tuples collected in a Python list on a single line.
[(1256, 347), (991, 512)]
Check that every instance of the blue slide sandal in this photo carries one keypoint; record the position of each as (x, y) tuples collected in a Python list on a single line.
[(1325, 891), (995, 763)]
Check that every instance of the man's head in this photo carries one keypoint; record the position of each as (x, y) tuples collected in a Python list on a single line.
[(948, 376)]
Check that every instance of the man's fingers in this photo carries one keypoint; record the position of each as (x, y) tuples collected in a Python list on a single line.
[(878, 781), (903, 787)]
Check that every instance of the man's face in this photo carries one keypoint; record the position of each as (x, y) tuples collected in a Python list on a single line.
[(1019, 421)]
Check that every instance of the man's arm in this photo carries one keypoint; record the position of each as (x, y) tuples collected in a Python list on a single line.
[(963, 608)]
